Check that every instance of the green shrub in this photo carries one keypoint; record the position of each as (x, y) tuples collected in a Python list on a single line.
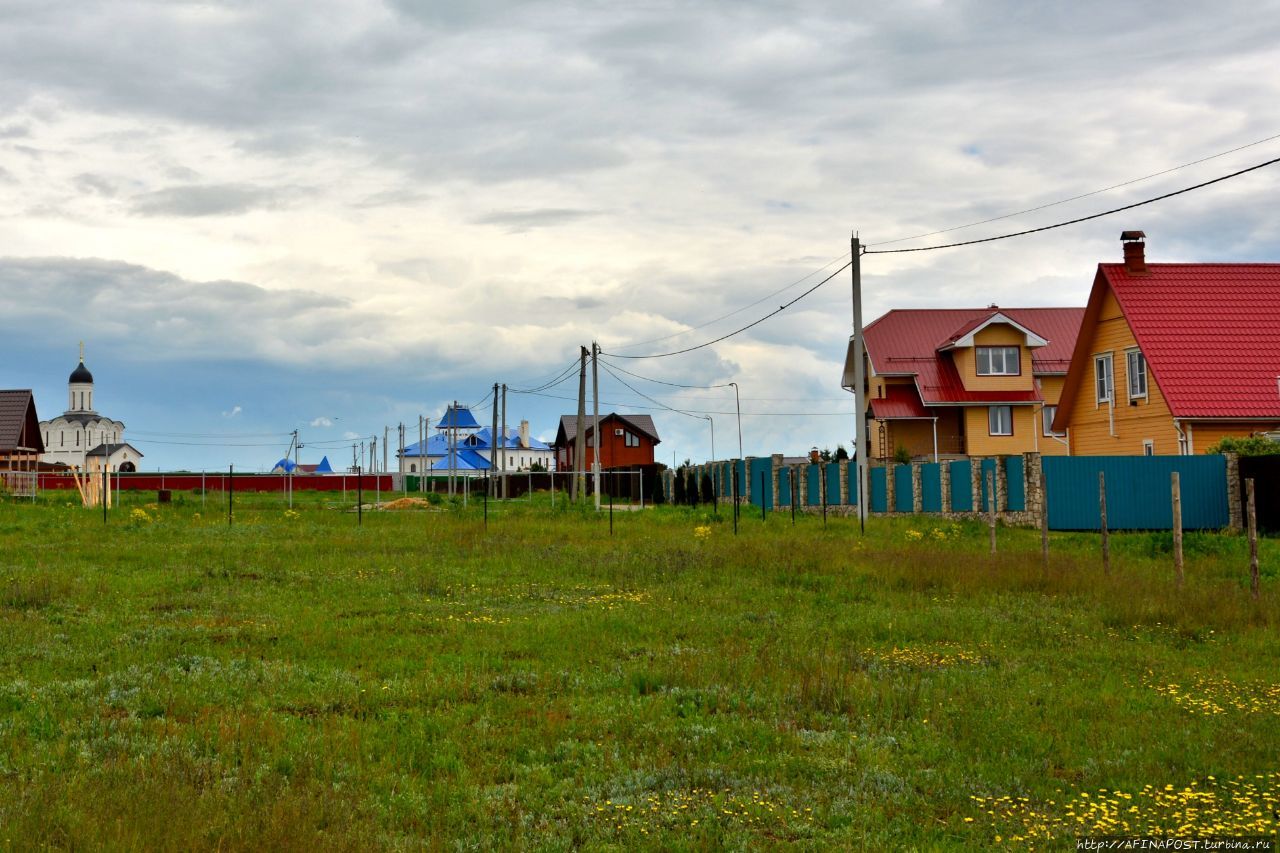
[(1254, 445), (902, 456)]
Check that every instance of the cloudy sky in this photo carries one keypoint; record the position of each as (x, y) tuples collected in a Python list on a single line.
[(337, 215)]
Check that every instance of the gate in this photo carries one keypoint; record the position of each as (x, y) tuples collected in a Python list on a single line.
[(1139, 492), (1265, 473)]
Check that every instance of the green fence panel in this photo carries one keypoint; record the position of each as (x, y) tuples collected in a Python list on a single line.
[(1017, 491), (984, 500), (833, 483), (879, 489), (902, 497), (1139, 492), (761, 483), (784, 486), (931, 487), (961, 490)]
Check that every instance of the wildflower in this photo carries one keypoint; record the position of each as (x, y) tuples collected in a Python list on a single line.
[(702, 532)]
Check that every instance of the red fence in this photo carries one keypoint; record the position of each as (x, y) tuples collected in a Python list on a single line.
[(243, 482)]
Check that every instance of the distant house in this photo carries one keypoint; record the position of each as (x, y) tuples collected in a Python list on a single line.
[(955, 381), (475, 451), (1173, 357), (20, 441), (625, 441), (123, 457), (288, 466)]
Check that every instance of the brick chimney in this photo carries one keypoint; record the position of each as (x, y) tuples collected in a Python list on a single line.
[(1135, 257), (524, 435)]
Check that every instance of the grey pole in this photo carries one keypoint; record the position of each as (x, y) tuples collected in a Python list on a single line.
[(859, 380), (503, 441), (595, 394), (493, 444), (386, 435), (579, 442), (422, 474), (738, 405)]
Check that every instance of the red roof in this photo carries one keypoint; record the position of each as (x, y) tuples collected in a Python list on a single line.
[(898, 402), (905, 342), (1210, 334)]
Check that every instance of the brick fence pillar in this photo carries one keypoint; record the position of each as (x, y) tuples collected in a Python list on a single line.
[(944, 480), (917, 489), (843, 471), (775, 469), (1235, 513)]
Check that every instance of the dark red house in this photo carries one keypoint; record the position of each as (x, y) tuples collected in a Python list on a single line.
[(625, 441)]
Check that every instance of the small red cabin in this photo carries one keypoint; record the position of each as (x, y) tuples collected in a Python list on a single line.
[(625, 441)]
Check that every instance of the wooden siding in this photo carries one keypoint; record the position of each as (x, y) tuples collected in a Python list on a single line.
[(1206, 434), (980, 442), (1051, 390), (995, 335), (1147, 419)]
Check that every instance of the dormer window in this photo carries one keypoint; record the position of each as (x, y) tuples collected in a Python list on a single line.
[(999, 361)]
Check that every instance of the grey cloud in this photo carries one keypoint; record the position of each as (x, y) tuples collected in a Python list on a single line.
[(96, 185), (516, 221), (14, 131), (204, 200)]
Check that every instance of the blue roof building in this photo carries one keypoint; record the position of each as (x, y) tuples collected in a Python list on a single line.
[(474, 452)]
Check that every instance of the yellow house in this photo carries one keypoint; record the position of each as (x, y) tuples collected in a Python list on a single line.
[(1173, 357), (969, 381)]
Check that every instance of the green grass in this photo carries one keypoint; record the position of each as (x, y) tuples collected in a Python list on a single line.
[(298, 681)]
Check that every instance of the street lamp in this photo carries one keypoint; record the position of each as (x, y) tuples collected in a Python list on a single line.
[(738, 405), (712, 421)]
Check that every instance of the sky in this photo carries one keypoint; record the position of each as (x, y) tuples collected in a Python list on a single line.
[(337, 216)]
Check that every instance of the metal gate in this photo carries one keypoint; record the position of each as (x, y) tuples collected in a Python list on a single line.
[(1265, 473), (1139, 492)]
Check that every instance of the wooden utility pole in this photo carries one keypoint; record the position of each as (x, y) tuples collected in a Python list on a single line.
[(1177, 526), (991, 507), (1102, 518), (1251, 509), (595, 395), (579, 441), (386, 444), (422, 453)]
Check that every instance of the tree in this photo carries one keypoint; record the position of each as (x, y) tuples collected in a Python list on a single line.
[(1254, 445), (842, 455), (538, 468), (902, 456), (825, 455), (708, 490), (677, 487)]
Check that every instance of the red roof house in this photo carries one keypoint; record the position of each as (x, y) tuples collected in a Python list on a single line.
[(981, 381), (626, 441), (1173, 357)]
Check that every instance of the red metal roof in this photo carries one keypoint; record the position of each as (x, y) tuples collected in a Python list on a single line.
[(1210, 334), (906, 342), (899, 401)]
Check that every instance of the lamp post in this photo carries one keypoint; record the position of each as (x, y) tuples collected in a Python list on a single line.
[(712, 421), (737, 405)]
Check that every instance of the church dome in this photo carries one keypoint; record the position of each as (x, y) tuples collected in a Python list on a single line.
[(81, 374)]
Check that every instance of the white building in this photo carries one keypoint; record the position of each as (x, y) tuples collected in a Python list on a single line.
[(475, 452), (80, 430)]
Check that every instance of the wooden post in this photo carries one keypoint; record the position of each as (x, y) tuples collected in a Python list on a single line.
[(991, 506), (231, 492), (1177, 527), (735, 497), (1102, 512), (791, 480), (1253, 540), (823, 485), (1044, 524), (762, 518)]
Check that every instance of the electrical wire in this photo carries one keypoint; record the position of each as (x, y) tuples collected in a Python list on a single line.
[(663, 381), (1078, 197), (1079, 219), (646, 396), (753, 324), (628, 405), (737, 311), (559, 378)]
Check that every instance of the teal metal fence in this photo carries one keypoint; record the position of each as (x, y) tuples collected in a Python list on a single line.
[(1139, 492), (1015, 480), (931, 487), (961, 488), (879, 490), (902, 497)]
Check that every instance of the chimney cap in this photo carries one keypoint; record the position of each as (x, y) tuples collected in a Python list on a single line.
[(1128, 236)]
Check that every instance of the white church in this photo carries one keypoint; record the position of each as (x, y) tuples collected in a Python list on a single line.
[(81, 433)]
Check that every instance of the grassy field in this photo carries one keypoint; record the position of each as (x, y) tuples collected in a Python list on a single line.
[(296, 681)]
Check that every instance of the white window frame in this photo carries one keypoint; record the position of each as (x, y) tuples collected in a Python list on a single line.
[(1148, 447), (1098, 379), (1131, 374), (993, 420), (1047, 414), (1006, 353)]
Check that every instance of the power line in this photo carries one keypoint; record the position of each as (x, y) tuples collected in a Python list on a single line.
[(1077, 220), (629, 405), (1078, 197), (559, 378), (664, 382), (736, 311), (646, 396), (779, 310)]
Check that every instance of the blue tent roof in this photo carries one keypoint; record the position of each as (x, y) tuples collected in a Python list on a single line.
[(438, 445), (459, 417), (324, 467), (286, 465)]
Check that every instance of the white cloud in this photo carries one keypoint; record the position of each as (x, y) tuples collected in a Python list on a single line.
[(234, 413), (322, 422)]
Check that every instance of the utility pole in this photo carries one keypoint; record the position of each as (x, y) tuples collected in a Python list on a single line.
[(503, 438), (422, 472), (404, 484), (859, 381), (386, 434), (579, 442), (595, 394), (493, 445), (737, 405)]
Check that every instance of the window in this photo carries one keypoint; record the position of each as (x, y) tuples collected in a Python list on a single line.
[(1148, 447), (413, 468), (1103, 379), (631, 440), (1000, 420), (1050, 412), (998, 361), (1137, 369)]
